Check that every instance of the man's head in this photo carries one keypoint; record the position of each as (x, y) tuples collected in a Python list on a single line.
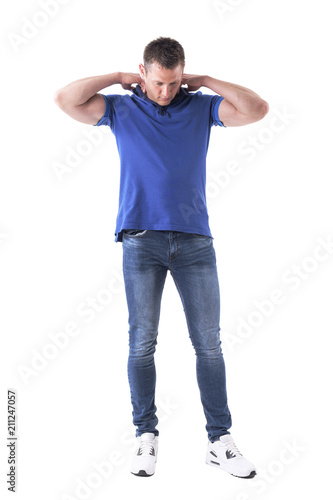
[(163, 69)]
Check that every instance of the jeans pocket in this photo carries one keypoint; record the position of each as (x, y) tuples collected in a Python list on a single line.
[(196, 235), (134, 233)]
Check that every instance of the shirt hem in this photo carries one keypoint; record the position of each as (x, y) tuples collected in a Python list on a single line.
[(158, 227)]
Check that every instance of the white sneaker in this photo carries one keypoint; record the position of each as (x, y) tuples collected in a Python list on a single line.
[(225, 455), (144, 460)]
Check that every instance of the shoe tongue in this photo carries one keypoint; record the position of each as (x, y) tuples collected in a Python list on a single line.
[(147, 436), (226, 439)]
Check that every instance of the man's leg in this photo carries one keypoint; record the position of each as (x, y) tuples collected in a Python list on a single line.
[(144, 282), (194, 272)]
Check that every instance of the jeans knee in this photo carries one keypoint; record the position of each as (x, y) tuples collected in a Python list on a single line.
[(142, 353), (207, 344), (142, 343), (210, 352)]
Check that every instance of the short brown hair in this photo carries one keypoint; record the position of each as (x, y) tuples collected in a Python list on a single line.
[(166, 52)]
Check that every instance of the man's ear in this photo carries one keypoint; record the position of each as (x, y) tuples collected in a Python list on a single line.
[(142, 71)]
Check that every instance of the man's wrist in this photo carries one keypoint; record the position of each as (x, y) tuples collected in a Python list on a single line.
[(206, 81), (117, 77)]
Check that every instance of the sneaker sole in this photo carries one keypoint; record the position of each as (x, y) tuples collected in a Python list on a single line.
[(250, 476), (141, 473)]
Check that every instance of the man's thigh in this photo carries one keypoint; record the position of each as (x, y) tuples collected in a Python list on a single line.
[(144, 278), (195, 275)]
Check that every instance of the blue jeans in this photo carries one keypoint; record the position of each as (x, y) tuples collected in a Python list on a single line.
[(190, 258)]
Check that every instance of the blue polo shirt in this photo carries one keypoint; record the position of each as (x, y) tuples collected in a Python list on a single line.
[(162, 152)]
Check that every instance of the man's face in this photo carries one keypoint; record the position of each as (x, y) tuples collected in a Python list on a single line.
[(161, 84)]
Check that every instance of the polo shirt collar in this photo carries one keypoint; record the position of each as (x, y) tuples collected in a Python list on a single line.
[(179, 97)]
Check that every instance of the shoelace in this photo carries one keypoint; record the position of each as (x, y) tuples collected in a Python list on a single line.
[(146, 448), (232, 448)]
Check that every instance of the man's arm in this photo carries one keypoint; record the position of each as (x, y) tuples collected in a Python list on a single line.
[(240, 105), (81, 101)]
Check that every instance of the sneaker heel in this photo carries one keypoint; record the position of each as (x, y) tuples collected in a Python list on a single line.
[(211, 459)]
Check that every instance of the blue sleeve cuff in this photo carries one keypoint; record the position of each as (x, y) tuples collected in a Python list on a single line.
[(217, 120), (105, 118)]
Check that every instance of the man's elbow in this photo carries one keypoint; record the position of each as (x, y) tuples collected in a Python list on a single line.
[(58, 98), (62, 100), (263, 109)]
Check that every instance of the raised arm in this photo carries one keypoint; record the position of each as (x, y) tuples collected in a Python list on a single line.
[(81, 101), (240, 105)]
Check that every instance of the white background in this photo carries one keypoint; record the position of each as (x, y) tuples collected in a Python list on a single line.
[(57, 250)]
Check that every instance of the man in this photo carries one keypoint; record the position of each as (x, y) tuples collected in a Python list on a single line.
[(162, 131)]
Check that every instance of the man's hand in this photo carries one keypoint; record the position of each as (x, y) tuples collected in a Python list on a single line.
[(129, 79), (193, 82), (240, 105), (81, 99)]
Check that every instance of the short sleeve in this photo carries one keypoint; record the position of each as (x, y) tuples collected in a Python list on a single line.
[(216, 101), (107, 118)]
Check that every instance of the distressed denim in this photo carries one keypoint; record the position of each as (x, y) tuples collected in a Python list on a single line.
[(190, 258)]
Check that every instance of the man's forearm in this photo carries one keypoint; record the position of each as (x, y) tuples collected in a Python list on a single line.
[(245, 100), (80, 91)]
